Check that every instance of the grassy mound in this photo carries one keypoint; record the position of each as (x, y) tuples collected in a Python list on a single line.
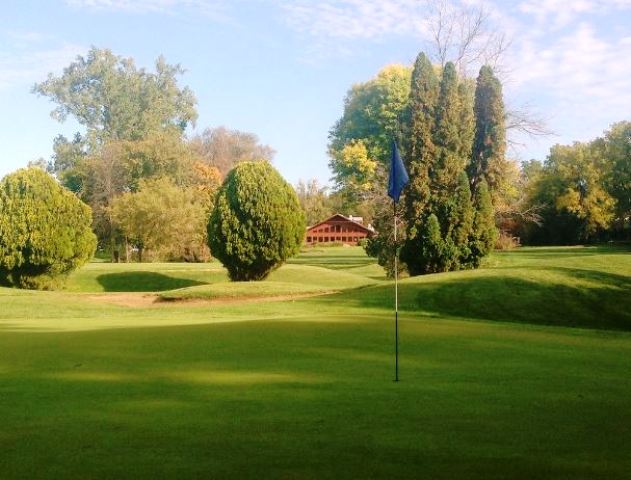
[(579, 287), (242, 291), (289, 280)]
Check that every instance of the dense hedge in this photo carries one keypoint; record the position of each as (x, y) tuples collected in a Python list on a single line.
[(44, 231), (257, 222)]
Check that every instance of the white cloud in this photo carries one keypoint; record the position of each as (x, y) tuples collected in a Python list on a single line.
[(564, 12), (579, 81), (579, 66), (215, 9), (355, 19), (127, 5), (25, 36), (26, 67)]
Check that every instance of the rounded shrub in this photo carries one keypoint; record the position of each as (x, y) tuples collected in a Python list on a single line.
[(44, 231), (257, 222)]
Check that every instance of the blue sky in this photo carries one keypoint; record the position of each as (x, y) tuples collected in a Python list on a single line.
[(281, 68)]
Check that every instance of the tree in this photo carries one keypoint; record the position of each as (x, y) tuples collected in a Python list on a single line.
[(164, 218), (382, 245), (571, 188), (314, 201), (419, 155), (489, 144), (515, 216), (450, 135), (134, 121), (359, 142), (119, 166), (618, 152), (257, 222), (224, 149), (463, 34), (373, 113), (159, 154), (355, 171), (103, 176), (115, 100), (207, 181), (484, 233), (67, 161), (44, 231), (450, 196)]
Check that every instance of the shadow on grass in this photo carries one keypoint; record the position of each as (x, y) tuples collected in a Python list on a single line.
[(143, 282), (573, 251), (603, 303), (338, 262), (296, 402)]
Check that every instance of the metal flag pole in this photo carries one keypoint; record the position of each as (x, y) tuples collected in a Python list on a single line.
[(397, 180), (396, 298)]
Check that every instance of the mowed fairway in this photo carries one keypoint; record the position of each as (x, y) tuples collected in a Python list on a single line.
[(521, 370)]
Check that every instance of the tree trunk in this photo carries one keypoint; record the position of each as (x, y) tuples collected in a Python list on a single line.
[(127, 248)]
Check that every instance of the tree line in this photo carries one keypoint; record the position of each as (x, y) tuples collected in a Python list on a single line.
[(149, 186), (452, 137), (581, 193), (152, 189), (453, 131)]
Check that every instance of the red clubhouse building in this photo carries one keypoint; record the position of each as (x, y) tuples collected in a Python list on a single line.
[(338, 228)]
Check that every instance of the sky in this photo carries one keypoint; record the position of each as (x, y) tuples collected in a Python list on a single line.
[(281, 68)]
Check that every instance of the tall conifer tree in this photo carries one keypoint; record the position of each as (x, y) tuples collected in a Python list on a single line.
[(446, 218), (489, 144), (466, 89), (484, 233), (451, 197), (447, 135), (420, 153)]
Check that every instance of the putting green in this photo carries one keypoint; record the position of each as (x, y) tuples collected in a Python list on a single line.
[(497, 381)]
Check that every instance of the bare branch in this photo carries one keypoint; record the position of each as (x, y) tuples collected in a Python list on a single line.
[(524, 121), (464, 35)]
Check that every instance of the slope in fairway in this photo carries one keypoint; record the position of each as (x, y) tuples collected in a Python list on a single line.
[(303, 389)]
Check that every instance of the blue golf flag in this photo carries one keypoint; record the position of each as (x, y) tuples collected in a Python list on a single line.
[(398, 175)]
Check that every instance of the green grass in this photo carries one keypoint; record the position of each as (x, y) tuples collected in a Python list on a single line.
[(289, 280), (144, 277), (496, 382)]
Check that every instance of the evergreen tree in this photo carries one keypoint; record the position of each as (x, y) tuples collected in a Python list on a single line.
[(447, 214), (466, 123), (489, 144), (484, 233), (419, 154), (449, 201), (432, 247), (447, 135), (44, 231), (462, 221), (257, 222)]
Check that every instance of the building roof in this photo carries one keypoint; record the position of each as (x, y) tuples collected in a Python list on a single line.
[(341, 218)]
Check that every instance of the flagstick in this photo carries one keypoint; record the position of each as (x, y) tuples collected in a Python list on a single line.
[(396, 298)]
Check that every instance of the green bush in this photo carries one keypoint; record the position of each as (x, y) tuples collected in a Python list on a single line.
[(44, 231), (257, 222)]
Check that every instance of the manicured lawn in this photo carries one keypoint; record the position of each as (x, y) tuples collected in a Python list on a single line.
[(496, 382)]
